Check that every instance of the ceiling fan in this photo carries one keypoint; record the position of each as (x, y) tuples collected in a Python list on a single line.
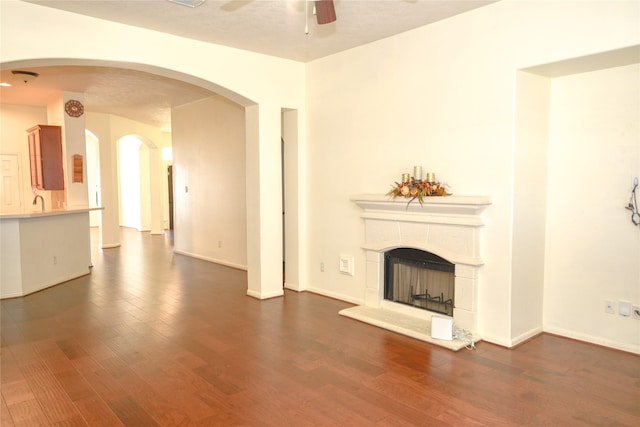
[(324, 10)]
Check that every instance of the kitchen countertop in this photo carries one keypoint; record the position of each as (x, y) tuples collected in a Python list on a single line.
[(54, 212)]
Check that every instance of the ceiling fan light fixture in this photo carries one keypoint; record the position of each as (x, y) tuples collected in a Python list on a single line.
[(25, 76), (189, 3)]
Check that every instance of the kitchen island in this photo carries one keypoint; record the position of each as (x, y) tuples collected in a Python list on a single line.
[(42, 249)]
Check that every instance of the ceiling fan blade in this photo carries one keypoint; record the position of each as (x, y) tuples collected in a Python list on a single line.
[(325, 11), (233, 5)]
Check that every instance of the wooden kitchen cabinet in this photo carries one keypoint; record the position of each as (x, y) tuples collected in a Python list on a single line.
[(45, 157)]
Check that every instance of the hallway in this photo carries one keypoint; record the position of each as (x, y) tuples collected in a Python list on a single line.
[(151, 338)]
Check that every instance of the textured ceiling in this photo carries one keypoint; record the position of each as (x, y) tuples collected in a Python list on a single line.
[(136, 95), (275, 28)]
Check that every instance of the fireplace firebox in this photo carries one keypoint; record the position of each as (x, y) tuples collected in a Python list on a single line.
[(420, 279)]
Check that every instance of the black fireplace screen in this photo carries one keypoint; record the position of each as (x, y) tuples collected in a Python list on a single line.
[(420, 279)]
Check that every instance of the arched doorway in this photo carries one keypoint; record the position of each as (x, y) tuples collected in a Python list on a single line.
[(263, 129)]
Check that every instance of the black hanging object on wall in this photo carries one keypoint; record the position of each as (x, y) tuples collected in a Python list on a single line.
[(633, 204)]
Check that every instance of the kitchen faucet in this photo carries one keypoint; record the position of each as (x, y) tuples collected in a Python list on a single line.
[(35, 201)]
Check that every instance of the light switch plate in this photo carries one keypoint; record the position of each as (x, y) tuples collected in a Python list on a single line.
[(346, 264)]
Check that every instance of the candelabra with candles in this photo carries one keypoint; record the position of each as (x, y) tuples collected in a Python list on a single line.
[(414, 187)]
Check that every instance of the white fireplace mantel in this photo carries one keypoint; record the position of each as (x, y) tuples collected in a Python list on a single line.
[(448, 226), (464, 207)]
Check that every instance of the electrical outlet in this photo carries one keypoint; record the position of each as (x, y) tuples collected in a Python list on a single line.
[(609, 307), (322, 266), (635, 312)]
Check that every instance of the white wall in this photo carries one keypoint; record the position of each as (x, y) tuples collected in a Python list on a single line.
[(293, 223), (531, 135), (73, 131), (592, 247), (14, 122), (102, 127), (209, 171), (130, 181), (145, 189), (93, 176), (443, 97)]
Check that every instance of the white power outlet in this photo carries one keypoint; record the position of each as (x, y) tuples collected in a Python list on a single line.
[(609, 307), (635, 312)]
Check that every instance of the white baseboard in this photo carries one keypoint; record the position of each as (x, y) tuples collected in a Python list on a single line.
[(266, 295), (293, 287), (631, 348), (213, 260), (526, 336), (337, 296), (44, 285), (110, 245)]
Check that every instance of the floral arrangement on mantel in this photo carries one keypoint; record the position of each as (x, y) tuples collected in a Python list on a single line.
[(416, 188)]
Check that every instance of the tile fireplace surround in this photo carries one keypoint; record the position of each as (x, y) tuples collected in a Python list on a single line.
[(450, 227)]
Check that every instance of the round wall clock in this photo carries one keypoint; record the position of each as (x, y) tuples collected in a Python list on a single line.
[(74, 108)]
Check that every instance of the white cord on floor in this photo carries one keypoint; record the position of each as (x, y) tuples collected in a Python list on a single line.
[(464, 336)]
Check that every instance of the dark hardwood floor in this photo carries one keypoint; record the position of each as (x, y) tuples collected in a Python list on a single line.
[(156, 339)]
